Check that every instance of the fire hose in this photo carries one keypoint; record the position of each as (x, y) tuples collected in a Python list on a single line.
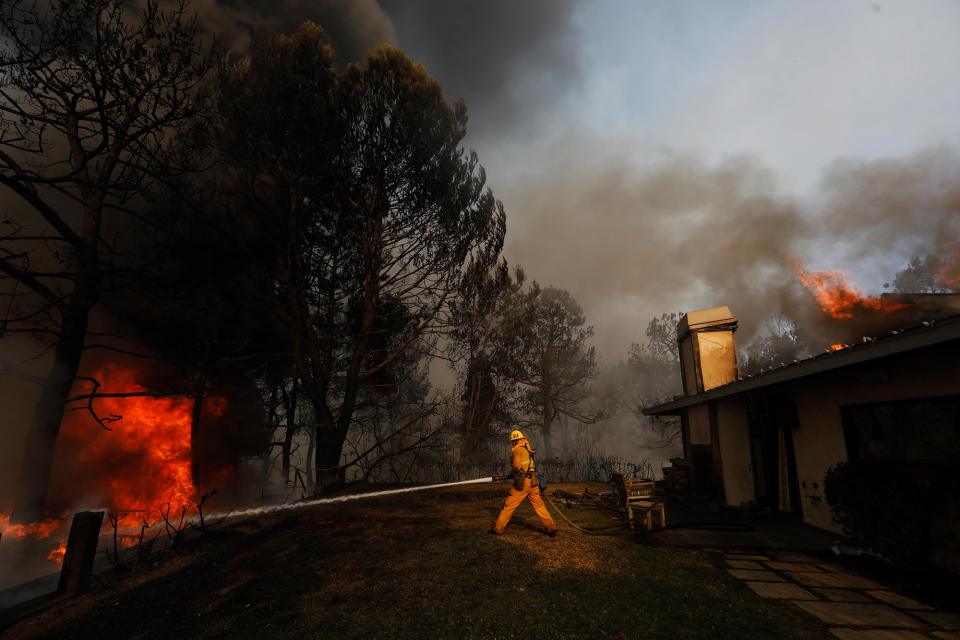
[(731, 527), (309, 503), (594, 532), (373, 494), (345, 498)]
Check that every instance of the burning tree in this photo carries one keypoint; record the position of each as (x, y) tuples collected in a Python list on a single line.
[(929, 274), (89, 98), (370, 215)]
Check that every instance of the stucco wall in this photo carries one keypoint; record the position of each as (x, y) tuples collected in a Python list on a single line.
[(734, 442), (698, 420), (819, 442)]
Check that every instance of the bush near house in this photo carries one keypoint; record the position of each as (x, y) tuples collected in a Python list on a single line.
[(908, 513)]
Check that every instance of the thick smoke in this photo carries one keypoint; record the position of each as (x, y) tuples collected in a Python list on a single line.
[(631, 241), (511, 61), (353, 26), (911, 204)]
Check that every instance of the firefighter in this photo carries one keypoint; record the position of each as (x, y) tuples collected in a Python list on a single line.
[(525, 485)]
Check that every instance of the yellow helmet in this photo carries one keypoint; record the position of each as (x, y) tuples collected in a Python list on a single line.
[(516, 435)]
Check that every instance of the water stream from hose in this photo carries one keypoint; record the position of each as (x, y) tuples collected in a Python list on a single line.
[(346, 498)]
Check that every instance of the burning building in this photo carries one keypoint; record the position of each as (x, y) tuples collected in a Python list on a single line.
[(156, 449), (769, 439)]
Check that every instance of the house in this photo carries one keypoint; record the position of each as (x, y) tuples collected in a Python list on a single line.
[(769, 439)]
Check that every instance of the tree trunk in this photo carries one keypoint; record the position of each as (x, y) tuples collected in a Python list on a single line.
[(329, 446), (47, 415), (41, 441), (285, 454), (547, 420), (311, 443), (290, 411)]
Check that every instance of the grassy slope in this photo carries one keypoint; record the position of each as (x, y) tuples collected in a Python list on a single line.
[(423, 566)]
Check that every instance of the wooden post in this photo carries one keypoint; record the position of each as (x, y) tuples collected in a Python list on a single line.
[(81, 551)]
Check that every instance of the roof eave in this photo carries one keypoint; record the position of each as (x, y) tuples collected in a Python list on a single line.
[(915, 338)]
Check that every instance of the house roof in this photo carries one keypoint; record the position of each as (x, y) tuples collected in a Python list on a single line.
[(925, 334)]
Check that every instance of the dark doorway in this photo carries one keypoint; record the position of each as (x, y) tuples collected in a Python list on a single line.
[(772, 420)]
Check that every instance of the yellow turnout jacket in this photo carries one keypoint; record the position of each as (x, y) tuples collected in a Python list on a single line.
[(523, 466)]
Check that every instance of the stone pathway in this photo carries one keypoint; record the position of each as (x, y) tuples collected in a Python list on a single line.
[(853, 607)]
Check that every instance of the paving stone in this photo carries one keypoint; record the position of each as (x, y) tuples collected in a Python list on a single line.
[(791, 566), (945, 635), (842, 580), (760, 576), (745, 556), (842, 595), (897, 600), (943, 619), (858, 614), (785, 590), (745, 564), (830, 567), (793, 556), (876, 634)]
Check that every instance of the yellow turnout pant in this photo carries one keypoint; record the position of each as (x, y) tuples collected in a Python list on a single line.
[(513, 500)]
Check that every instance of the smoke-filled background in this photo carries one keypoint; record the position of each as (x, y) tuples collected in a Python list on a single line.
[(656, 158), (652, 158)]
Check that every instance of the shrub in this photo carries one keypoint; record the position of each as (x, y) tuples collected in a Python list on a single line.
[(895, 509)]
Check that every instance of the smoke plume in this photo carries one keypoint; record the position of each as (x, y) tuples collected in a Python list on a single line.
[(631, 241), (510, 61), (353, 26)]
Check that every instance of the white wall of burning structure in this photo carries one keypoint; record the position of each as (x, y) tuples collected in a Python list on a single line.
[(724, 434)]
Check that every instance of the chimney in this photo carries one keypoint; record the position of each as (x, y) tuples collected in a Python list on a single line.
[(707, 355)]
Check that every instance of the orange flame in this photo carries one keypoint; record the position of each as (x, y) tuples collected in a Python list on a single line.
[(35, 530), (836, 296), (38, 531), (143, 463), (836, 347), (57, 554), (949, 273)]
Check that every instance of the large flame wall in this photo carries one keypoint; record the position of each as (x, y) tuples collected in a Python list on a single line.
[(142, 462)]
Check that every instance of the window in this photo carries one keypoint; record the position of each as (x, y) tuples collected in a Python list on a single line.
[(923, 431)]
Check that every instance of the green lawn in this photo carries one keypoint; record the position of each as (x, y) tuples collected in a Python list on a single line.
[(422, 566)]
